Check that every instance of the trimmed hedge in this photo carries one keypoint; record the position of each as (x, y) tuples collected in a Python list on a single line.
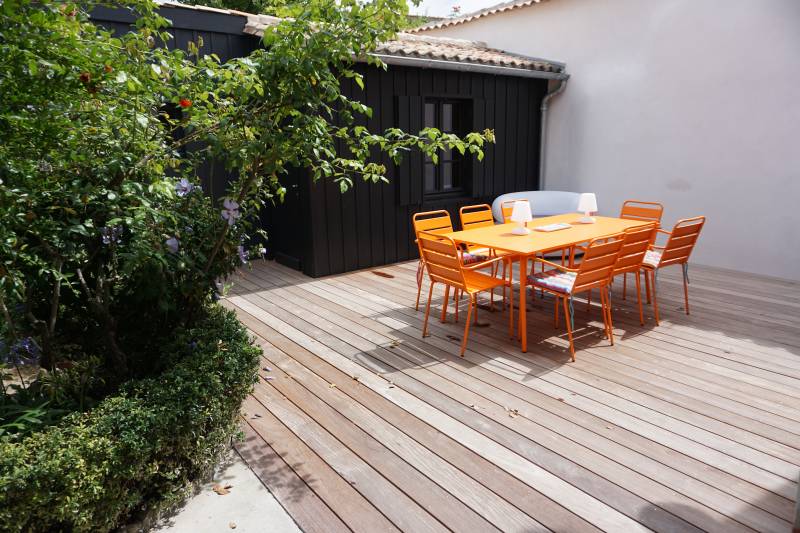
[(139, 448)]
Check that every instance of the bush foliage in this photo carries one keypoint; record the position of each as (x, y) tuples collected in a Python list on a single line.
[(143, 444)]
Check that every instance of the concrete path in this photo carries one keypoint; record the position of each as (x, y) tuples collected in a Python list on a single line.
[(247, 507)]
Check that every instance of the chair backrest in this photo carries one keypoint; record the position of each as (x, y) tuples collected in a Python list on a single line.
[(475, 216), (682, 240), (598, 262), (507, 207), (432, 222), (441, 258), (639, 210), (635, 243)]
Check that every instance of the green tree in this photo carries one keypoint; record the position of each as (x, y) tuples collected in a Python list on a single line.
[(106, 242)]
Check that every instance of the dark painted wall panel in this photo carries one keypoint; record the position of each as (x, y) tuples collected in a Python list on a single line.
[(323, 231), (380, 230)]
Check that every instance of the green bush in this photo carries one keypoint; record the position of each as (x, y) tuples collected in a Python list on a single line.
[(93, 470)]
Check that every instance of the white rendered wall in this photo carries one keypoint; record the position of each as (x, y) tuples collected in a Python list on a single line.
[(693, 103)]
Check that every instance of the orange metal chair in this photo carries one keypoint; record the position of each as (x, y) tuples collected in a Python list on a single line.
[(635, 244), (594, 272), (639, 210), (479, 216), (436, 222), (679, 247), (445, 264)]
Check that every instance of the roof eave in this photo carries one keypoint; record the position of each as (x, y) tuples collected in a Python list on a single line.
[(442, 64)]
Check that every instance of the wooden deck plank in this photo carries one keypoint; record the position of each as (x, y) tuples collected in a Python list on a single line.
[(701, 493), (701, 471), (512, 490), (653, 363), (401, 511), (310, 513), (692, 424), (438, 503), (552, 486), (492, 356), (492, 508)]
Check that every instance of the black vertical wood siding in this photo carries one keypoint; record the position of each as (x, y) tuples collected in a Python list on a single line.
[(370, 225), (322, 231)]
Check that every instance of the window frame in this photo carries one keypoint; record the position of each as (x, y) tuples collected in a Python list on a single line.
[(461, 124)]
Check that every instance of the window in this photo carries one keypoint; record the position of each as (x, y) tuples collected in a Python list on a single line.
[(451, 176)]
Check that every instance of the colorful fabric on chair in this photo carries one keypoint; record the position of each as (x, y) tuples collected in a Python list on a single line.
[(652, 258), (470, 259), (554, 279)]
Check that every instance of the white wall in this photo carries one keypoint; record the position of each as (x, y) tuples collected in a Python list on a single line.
[(693, 103)]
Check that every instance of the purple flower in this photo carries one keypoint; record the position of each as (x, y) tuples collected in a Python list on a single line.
[(173, 244), (24, 352), (111, 235), (183, 187), (230, 211), (242, 254)]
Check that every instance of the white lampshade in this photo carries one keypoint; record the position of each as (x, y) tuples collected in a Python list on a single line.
[(521, 212), (587, 203)]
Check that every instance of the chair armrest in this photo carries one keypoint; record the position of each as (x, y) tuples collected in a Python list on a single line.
[(476, 266), (654, 247), (556, 265), (665, 232)]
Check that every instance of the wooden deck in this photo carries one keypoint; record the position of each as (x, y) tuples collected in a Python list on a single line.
[(359, 424)]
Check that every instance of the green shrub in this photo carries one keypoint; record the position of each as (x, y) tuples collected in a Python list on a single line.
[(93, 470)]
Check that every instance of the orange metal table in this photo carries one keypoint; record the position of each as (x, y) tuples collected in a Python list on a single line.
[(499, 237)]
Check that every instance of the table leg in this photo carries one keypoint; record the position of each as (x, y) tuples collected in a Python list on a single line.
[(523, 302)]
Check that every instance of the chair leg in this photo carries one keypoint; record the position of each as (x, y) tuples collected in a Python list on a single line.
[(655, 298), (510, 308), (639, 297), (588, 300), (568, 320), (427, 312), (420, 273), (504, 286), (457, 302), (476, 309), (647, 285), (686, 285), (472, 303), (608, 314), (555, 312), (445, 302), (624, 285)]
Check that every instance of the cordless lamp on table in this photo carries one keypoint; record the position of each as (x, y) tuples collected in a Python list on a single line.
[(521, 214), (587, 204)]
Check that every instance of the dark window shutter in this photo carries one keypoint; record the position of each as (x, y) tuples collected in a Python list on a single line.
[(409, 171)]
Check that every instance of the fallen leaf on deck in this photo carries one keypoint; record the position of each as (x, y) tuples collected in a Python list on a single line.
[(267, 369), (268, 378), (332, 385), (382, 274), (513, 413), (232, 525), (222, 490), (454, 338), (560, 399)]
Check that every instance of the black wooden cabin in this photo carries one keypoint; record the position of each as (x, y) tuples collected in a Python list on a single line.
[(322, 231)]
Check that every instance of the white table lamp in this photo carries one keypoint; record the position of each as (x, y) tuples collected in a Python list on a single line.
[(587, 204), (521, 214)]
